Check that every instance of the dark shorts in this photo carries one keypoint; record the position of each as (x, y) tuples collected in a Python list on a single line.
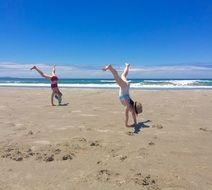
[(53, 86)]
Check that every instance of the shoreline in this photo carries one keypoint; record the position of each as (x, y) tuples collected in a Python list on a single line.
[(88, 87)]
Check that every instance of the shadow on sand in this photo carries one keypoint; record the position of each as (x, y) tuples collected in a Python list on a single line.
[(141, 125), (63, 104)]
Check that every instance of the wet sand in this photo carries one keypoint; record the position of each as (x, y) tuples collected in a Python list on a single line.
[(85, 145)]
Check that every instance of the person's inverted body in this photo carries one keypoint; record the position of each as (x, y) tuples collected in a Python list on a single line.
[(54, 86), (124, 95)]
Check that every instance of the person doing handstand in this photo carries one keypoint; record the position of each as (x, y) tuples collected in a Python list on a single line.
[(54, 79), (124, 87)]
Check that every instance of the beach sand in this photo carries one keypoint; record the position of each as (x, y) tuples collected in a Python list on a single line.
[(85, 145)]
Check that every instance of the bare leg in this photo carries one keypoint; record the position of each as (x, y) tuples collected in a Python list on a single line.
[(52, 98), (118, 79), (59, 92), (41, 73), (53, 70), (125, 73)]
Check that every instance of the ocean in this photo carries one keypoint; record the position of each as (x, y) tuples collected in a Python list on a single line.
[(109, 83)]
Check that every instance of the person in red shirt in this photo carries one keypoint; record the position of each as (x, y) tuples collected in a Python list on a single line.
[(54, 80)]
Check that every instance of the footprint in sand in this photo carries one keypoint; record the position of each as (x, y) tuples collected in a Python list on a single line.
[(106, 175), (147, 181), (151, 143), (30, 133), (95, 143), (80, 139), (158, 126), (205, 130), (67, 157), (130, 133), (122, 158), (155, 137), (20, 129), (49, 158)]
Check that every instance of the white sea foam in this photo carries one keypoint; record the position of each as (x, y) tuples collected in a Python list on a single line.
[(183, 82), (173, 82), (89, 85), (108, 81), (24, 85), (171, 85)]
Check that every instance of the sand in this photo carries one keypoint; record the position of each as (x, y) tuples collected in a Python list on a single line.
[(85, 145)]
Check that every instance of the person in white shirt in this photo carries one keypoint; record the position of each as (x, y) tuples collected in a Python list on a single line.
[(124, 87)]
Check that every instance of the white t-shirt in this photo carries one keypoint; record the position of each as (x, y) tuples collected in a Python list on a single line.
[(124, 91)]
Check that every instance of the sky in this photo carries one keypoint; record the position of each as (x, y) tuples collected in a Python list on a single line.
[(159, 38)]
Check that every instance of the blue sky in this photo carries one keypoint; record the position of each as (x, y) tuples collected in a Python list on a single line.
[(161, 39)]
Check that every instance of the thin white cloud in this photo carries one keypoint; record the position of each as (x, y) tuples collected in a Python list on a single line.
[(170, 68), (181, 71), (12, 69)]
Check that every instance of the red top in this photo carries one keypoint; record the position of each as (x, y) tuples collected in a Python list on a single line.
[(54, 80)]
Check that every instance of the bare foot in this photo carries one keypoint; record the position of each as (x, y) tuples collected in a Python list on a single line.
[(132, 126), (127, 64), (106, 67), (129, 126), (33, 67), (53, 105)]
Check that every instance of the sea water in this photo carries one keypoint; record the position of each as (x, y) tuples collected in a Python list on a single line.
[(110, 83)]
